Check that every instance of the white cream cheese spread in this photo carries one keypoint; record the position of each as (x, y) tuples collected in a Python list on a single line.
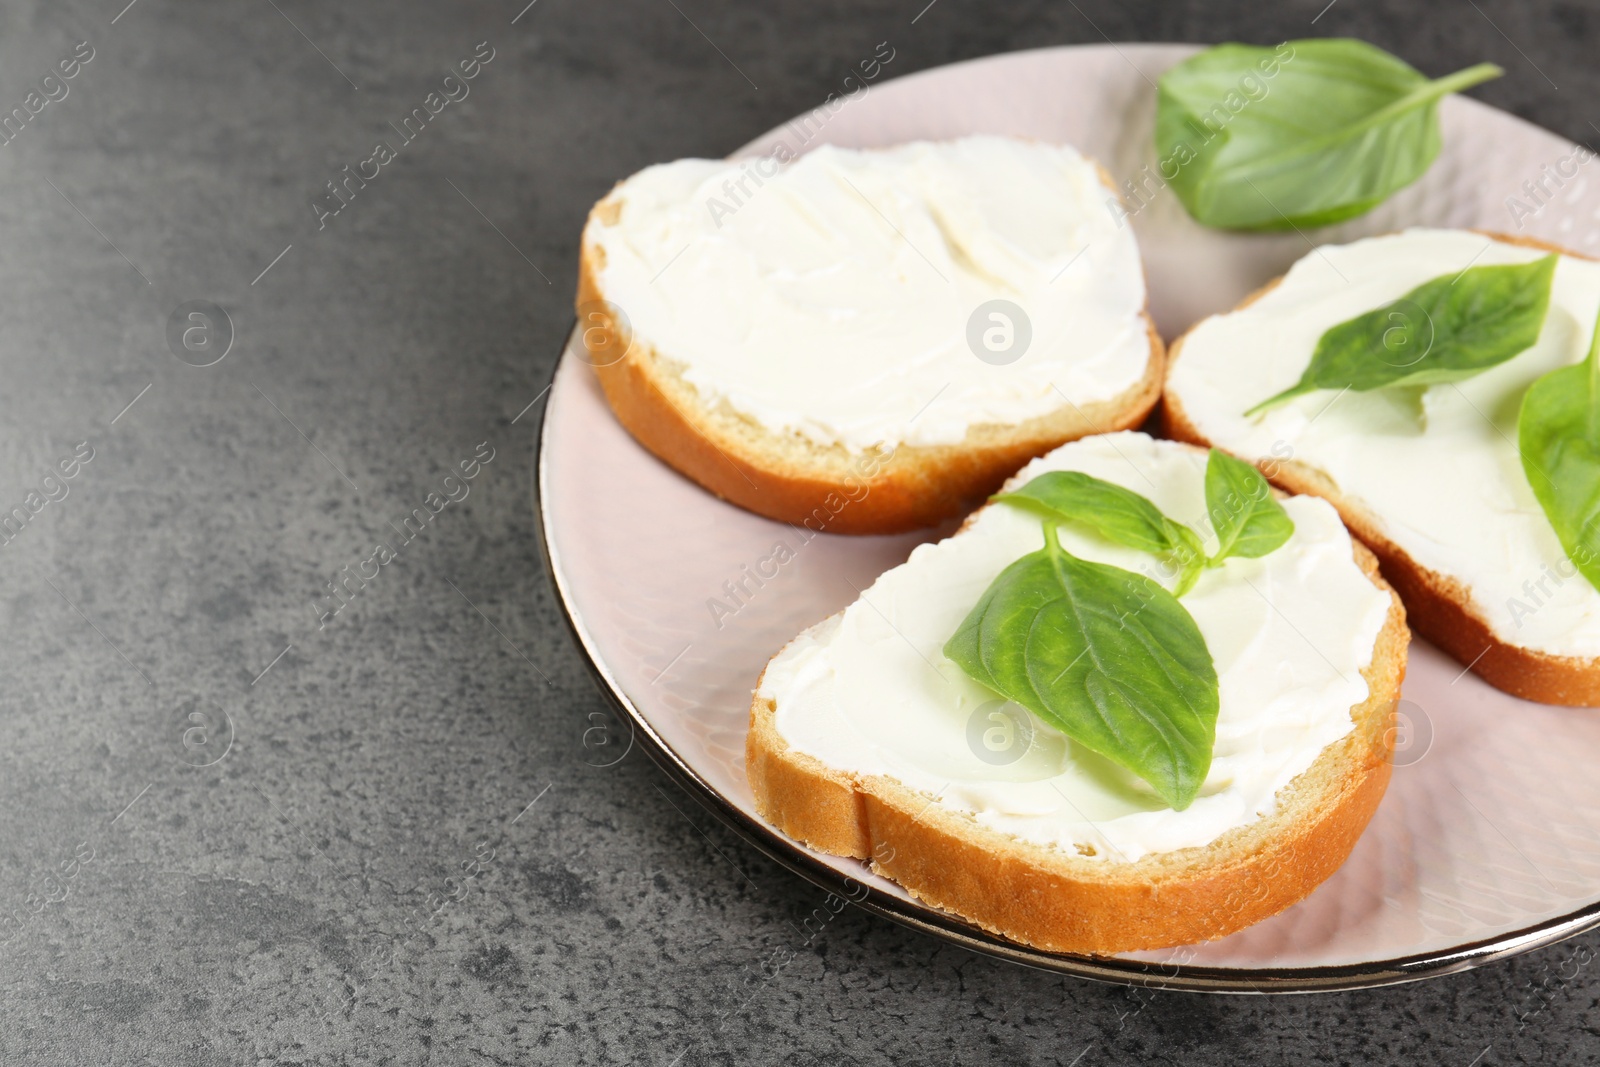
[(870, 691), (1438, 468), (842, 296)]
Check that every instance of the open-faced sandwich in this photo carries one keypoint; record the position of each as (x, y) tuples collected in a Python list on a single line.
[(867, 341), (1439, 388), (1136, 701)]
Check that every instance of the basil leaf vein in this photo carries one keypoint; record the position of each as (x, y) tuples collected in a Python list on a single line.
[(1446, 329), (1107, 656), (1258, 141)]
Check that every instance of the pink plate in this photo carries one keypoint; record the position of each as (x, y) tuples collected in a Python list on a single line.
[(1485, 845)]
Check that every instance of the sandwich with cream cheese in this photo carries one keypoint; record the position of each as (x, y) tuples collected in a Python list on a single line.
[(1429, 469), (1182, 724), (866, 341)]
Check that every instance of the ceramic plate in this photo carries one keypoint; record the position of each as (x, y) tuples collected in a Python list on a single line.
[(1488, 842)]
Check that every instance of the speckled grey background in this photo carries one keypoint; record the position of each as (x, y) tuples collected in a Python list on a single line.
[(358, 876)]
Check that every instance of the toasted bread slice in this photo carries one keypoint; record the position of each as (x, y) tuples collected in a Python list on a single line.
[(1067, 899), (854, 486), (1438, 605)]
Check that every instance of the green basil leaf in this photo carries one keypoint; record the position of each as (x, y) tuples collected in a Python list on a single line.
[(1248, 519), (1117, 514), (1450, 328), (1106, 656), (1558, 434), (1308, 134)]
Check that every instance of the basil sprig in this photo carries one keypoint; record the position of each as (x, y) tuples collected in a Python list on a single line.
[(1308, 134), (1109, 657), (1446, 329), (1558, 434)]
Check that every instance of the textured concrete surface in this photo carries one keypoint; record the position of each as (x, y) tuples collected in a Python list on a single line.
[(233, 834)]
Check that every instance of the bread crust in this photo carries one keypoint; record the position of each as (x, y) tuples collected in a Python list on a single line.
[(794, 480), (1046, 898), (1437, 605)]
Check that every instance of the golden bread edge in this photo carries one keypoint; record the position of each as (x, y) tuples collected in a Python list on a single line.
[(1042, 897), (829, 488)]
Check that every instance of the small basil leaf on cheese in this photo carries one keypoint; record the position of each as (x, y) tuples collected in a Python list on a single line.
[(1249, 521), (1106, 656), (1447, 329), (1117, 514), (1558, 435)]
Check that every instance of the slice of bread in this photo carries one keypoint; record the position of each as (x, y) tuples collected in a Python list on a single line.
[(1067, 900), (1439, 606), (803, 478)]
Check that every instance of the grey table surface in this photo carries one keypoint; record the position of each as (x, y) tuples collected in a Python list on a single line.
[(237, 832)]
